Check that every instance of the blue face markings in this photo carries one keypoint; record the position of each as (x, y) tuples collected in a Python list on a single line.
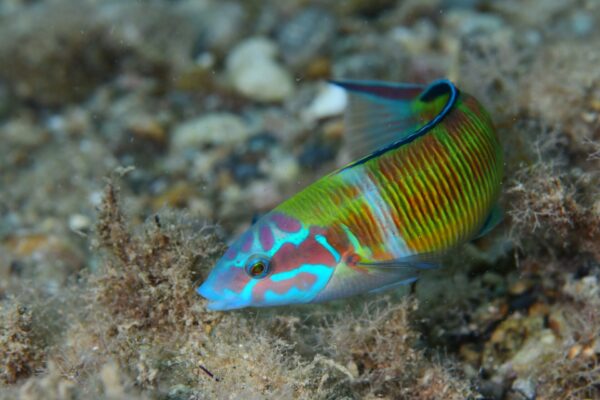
[(289, 297), (230, 286), (321, 274)]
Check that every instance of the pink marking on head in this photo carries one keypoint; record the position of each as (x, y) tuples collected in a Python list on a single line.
[(231, 253), (303, 281), (232, 278), (285, 223), (266, 237), (290, 257), (247, 240)]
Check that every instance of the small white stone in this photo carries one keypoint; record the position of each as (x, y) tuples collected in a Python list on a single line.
[(231, 200), (217, 129), (582, 23), (95, 198), (79, 222), (416, 39), (330, 101), (533, 351), (467, 22), (255, 73), (253, 48), (206, 60), (263, 195), (286, 170), (201, 208), (526, 388)]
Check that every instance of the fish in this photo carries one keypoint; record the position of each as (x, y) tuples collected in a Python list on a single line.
[(425, 179)]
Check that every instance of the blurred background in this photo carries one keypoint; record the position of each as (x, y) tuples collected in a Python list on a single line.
[(209, 112)]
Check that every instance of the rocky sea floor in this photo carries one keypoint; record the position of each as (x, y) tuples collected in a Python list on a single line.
[(139, 137)]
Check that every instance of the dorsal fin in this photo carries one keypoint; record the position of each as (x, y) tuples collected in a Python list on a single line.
[(382, 115)]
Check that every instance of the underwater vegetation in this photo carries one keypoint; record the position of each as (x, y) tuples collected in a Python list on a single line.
[(140, 138)]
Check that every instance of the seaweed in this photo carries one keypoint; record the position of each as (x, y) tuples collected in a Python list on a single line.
[(21, 352), (376, 353)]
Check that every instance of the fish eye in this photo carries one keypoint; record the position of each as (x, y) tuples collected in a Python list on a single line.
[(257, 267)]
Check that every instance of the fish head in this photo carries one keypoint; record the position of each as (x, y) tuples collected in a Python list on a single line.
[(277, 261)]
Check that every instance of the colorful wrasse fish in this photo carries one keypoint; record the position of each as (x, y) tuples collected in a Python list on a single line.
[(429, 184)]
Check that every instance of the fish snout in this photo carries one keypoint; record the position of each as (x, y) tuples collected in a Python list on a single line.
[(218, 301)]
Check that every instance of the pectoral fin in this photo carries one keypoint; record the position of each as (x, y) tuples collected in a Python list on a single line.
[(493, 219), (407, 269), (373, 276), (394, 285)]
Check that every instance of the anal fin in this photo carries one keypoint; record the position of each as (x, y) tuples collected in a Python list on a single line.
[(406, 269), (371, 276)]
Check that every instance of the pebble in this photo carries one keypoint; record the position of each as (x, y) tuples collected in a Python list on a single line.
[(29, 245), (45, 258), (523, 389), (79, 222), (261, 143), (331, 100), (23, 132), (361, 66), (469, 353), (467, 22), (249, 161), (147, 128), (519, 287), (255, 72), (175, 196), (200, 207), (556, 322), (201, 166), (315, 154), (533, 352), (582, 24), (574, 351), (514, 342), (334, 130), (583, 289), (416, 39), (222, 24), (244, 172), (492, 279), (305, 35), (212, 129), (263, 195), (318, 68), (283, 126), (590, 350), (286, 170), (181, 391), (231, 200), (596, 205)]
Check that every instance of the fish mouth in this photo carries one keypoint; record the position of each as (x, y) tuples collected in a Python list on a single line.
[(216, 302)]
